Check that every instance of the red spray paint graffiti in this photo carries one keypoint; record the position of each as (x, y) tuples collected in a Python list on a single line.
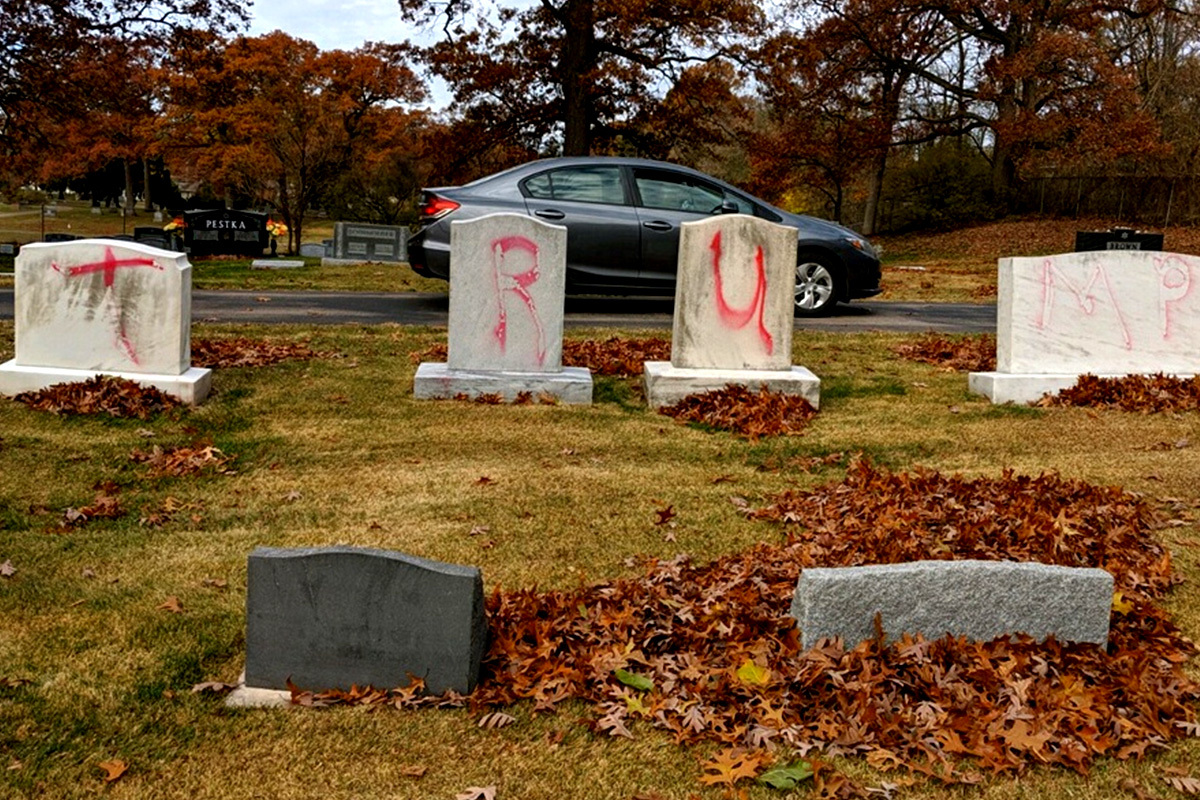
[(109, 267), (506, 280), (1174, 277), (1085, 297), (1174, 284), (738, 318)]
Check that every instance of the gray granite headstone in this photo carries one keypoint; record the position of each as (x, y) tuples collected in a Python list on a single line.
[(333, 617), (977, 599), (366, 242)]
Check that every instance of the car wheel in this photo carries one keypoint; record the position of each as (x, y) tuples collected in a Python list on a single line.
[(816, 286)]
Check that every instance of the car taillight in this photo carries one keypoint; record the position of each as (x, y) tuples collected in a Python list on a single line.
[(435, 207)]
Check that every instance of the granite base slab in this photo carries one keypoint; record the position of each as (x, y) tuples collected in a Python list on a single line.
[(666, 384), (980, 600), (275, 263), (436, 381), (191, 387), (1006, 387)]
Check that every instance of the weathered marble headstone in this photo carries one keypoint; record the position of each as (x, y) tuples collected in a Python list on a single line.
[(357, 242), (734, 312), (1106, 313), (333, 617), (977, 599), (97, 306), (507, 290)]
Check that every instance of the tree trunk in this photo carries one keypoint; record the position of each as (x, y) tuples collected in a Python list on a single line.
[(129, 202), (147, 199), (575, 68)]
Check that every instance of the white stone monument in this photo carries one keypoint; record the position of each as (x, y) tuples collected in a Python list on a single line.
[(734, 312), (1107, 313), (507, 288), (96, 306)]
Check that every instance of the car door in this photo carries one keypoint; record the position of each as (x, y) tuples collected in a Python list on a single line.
[(665, 200), (593, 203)]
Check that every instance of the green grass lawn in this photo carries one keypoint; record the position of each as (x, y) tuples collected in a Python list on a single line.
[(95, 667)]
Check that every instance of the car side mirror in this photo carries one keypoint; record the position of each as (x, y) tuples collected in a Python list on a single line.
[(727, 207)]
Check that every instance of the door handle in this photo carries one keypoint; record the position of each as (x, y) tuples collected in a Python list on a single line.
[(657, 225), (549, 213)]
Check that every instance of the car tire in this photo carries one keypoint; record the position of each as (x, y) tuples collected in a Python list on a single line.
[(817, 282)]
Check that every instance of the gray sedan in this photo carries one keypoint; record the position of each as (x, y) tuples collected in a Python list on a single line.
[(622, 217)]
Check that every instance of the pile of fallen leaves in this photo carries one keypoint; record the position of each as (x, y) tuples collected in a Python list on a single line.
[(180, 461), (959, 353), (745, 413), (614, 356), (102, 394), (708, 652), (1145, 393), (242, 351)]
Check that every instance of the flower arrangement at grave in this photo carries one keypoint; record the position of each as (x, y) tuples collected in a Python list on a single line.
[(276, 229), (174, 226)]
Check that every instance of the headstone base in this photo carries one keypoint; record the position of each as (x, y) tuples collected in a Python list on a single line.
[(191, 387), (1006, 387), (436, 381), (275, 263), (666, 384), (254, 697)]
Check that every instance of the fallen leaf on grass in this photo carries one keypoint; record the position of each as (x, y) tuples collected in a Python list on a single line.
[(214, 583), (664, 515), (15, 765), (484, 480), (631, 679), (477, 793), (292, 496), (496, 719), (1179, 779), (181, 461), (788, 777), (113, 769), (732, 765), (416, 772), (7, 570), (172, 604)]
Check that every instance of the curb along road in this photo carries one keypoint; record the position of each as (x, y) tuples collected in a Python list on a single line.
[(415, 308)]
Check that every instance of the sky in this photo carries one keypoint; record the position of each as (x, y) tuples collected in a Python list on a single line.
[(332, 24)]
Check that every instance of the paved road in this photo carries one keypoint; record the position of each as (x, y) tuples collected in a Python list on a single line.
[(368, 308)]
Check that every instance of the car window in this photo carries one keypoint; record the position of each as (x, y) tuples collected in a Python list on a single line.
[(684, 193), (581, 184)]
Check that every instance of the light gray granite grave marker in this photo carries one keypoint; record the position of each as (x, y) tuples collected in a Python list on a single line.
[(1108, 313), (507, 289), (358, 242), (332, 617), (99, 306), (734, 312), (977, 599)]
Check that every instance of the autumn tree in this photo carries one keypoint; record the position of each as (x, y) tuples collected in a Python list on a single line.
[(40, 39), (1043, 82), (837, 88), (274, 118), (575, 66)]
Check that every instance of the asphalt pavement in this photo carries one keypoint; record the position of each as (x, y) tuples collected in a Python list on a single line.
[(415, 308)]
